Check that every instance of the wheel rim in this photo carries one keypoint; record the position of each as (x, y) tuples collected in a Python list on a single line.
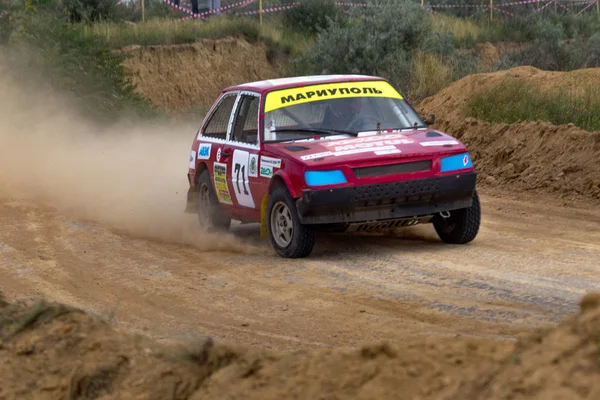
[(282, 225), (204, 204)]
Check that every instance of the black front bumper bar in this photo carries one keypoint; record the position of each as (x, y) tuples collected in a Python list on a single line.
[(387, 200)]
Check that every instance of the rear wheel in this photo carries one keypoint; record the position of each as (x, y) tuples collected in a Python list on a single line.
[(210, 214), (289, 237), (461, 226)]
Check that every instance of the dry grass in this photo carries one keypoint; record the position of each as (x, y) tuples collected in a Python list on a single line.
[(464, 29), (513, 101), (167, 31), (429, 75)]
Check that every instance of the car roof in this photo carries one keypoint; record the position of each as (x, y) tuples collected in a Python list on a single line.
[(283, 83)]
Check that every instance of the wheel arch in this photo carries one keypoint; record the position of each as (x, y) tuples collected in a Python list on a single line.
[(200, 168), (282, 180), (192, 198)]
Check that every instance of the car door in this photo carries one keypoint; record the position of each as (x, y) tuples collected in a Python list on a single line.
[(242, 151)]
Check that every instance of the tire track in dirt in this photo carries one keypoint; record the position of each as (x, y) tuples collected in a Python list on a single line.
[(523, 271)]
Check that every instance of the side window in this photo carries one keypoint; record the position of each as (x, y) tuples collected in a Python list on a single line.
[(217, 125), (245, 127)]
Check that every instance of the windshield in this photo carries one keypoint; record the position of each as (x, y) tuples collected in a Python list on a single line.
[(336, 108)]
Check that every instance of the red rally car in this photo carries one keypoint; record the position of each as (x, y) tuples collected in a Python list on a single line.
[(332, 152)]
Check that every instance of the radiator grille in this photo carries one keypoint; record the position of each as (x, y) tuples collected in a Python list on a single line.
[(402, 168)]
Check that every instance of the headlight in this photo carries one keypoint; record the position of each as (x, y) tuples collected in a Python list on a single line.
[(458, 161), (319, 178)]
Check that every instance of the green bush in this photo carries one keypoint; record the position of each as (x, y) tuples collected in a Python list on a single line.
[(559, 45), (5, 28), (61, 54), (154, 9), (312, 15), (90, 10), (375, 41), (547, 50)]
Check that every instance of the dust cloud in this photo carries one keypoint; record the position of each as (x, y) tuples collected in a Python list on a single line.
[(131, 179)]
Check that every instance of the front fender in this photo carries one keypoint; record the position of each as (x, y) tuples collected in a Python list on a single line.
[(282, 178)]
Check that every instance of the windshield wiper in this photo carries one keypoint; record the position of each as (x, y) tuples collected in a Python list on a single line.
[(317, 130), (410, 128)]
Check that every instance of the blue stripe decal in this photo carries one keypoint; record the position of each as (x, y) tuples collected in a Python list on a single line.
[(453, 163), (319, 178)]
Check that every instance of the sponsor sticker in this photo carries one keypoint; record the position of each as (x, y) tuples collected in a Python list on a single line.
[(386, 152), (253, 165), (439, 143), (270, 162), (219, 154), (266, 172), (365, 141), (220, 177), (239, 178), (204, 151), (380, 145), (192, 159), (337, 90), (378, 226)]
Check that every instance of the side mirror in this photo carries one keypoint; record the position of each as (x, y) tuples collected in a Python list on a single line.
[(429, 119)]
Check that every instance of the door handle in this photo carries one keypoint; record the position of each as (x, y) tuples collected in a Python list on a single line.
[(225, 153)]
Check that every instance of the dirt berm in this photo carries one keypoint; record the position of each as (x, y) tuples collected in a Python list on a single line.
[(49, 351), (533, 156), (191, 76)]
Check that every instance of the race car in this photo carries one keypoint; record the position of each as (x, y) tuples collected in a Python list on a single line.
[(343, 153)]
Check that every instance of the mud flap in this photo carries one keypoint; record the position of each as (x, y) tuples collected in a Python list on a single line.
[(263, 216), (192, 200)]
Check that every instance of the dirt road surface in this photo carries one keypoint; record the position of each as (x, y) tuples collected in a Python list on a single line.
[(527, 268), (92, 216)]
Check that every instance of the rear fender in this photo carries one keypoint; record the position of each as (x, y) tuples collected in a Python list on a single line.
[(192, 193)]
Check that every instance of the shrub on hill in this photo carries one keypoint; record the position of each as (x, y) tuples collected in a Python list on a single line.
[(312, 15), (49, 48), (388, 39)]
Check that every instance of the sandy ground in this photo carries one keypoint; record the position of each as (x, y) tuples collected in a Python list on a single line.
[(94, 218), (527, 268)]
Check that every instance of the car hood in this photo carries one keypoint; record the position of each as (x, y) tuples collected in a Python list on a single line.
[(367, 147)]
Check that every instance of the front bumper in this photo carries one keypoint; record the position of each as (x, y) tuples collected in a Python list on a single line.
[(387, 200)]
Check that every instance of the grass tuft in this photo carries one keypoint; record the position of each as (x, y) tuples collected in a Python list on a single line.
[(465, 31), (514, 101), (40, 312)]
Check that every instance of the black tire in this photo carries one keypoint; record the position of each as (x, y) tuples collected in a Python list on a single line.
[(282, 209), (462, 226), (210, 214)]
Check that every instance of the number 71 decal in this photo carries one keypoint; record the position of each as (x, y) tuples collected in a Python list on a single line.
[(239, 178)]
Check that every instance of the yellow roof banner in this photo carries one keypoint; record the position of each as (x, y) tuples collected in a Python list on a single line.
[(336, 90)]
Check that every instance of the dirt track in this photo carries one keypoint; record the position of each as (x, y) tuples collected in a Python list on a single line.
[(158, 275), (528, 268)]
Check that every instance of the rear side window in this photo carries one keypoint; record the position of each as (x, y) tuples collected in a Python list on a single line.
[(245, 127), (217, 125)]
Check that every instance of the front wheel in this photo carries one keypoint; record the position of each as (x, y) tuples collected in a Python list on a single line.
[(461, 226), (289, 237)]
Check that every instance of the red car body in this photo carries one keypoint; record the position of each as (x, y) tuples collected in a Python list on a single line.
[(389, 174)]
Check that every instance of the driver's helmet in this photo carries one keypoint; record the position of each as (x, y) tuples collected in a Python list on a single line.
[(348, 106)]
